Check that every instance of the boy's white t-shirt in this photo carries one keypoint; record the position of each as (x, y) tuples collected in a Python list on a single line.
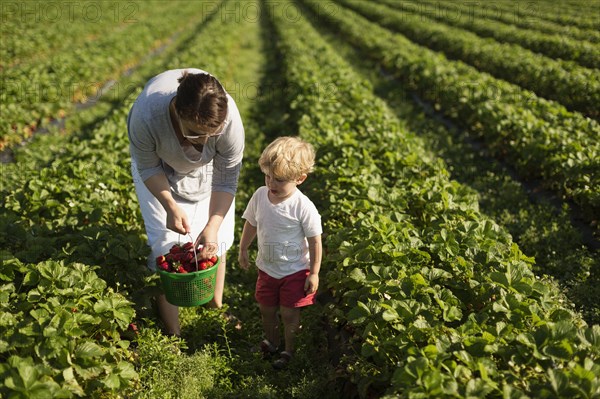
[(281, 231)]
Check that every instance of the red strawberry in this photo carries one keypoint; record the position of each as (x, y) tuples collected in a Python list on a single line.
[(160, 259), (164, 266), (209, 264), (203, 265), (133, 327), (181, 269), (214, 259)]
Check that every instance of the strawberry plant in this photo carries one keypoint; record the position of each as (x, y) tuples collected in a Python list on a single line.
[(555, 44), (61, 331), (575, 87), (540, 138)]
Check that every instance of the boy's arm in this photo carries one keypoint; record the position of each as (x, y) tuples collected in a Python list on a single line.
[(248, 234), (315, 250)]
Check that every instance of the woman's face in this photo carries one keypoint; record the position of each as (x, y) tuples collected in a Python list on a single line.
[(195, 134)]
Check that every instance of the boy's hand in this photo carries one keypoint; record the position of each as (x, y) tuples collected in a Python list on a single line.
[(312, 284), (243, 259)]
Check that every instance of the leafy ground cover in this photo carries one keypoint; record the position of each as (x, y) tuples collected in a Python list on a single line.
[(541, 139), (575, 87), (552, 44), (423, 295), (542, 229)]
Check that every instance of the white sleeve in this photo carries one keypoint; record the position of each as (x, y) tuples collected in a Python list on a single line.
[(250, 212), (311, 220)]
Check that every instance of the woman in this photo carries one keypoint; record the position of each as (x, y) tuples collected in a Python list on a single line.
[(186, 143)]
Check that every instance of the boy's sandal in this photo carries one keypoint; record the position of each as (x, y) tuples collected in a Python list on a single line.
[(266, 348), (282, 362)]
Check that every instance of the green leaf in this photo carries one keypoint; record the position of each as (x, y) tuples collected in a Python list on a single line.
[(116, 308), (591, 336), (562, 350), (558, 381), (390, 315), (88, 349), (452, 313), (500, 278), (357, 275), (126, 371), (112, 381), (31, 278), (368, 350), (359, 313), (523, 287), (418, 280)]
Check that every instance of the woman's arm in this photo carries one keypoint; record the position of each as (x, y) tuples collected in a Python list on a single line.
[(220, 202), (177, 221)]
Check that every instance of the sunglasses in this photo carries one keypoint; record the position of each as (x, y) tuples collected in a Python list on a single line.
[(201, 136), (196, 136)]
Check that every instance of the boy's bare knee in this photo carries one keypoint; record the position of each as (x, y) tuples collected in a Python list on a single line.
[(290, 316)]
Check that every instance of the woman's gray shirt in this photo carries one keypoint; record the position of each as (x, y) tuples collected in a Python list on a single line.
[(155, 148)]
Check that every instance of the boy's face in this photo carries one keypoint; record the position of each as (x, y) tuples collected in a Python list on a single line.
[(280, 190)]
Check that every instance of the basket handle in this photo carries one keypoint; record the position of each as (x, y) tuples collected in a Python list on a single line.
[(195, 254), (194, 248)]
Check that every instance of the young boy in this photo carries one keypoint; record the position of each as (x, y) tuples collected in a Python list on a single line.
[(289, 230)]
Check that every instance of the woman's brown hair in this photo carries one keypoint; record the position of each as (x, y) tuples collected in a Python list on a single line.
[(201, 98)]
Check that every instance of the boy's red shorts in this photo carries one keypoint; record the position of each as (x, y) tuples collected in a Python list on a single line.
[(287, 291)]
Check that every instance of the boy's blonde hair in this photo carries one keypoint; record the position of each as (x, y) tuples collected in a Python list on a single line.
[(287, 158)]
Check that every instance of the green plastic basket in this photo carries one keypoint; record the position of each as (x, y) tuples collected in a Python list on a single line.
[(190, 289)]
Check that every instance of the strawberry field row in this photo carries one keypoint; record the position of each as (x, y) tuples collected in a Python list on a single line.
[(540, 138), (34, 93), (573, 86), (78, 205), (542, 230), (440, 302), (37, 29), (552, 45), (583, 14), (524, 16)]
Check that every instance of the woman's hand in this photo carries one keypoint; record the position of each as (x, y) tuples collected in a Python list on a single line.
[(177, 220), (208, 239)]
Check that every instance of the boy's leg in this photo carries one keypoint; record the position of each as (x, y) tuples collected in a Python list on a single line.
[(270, 323), (291, 324)]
